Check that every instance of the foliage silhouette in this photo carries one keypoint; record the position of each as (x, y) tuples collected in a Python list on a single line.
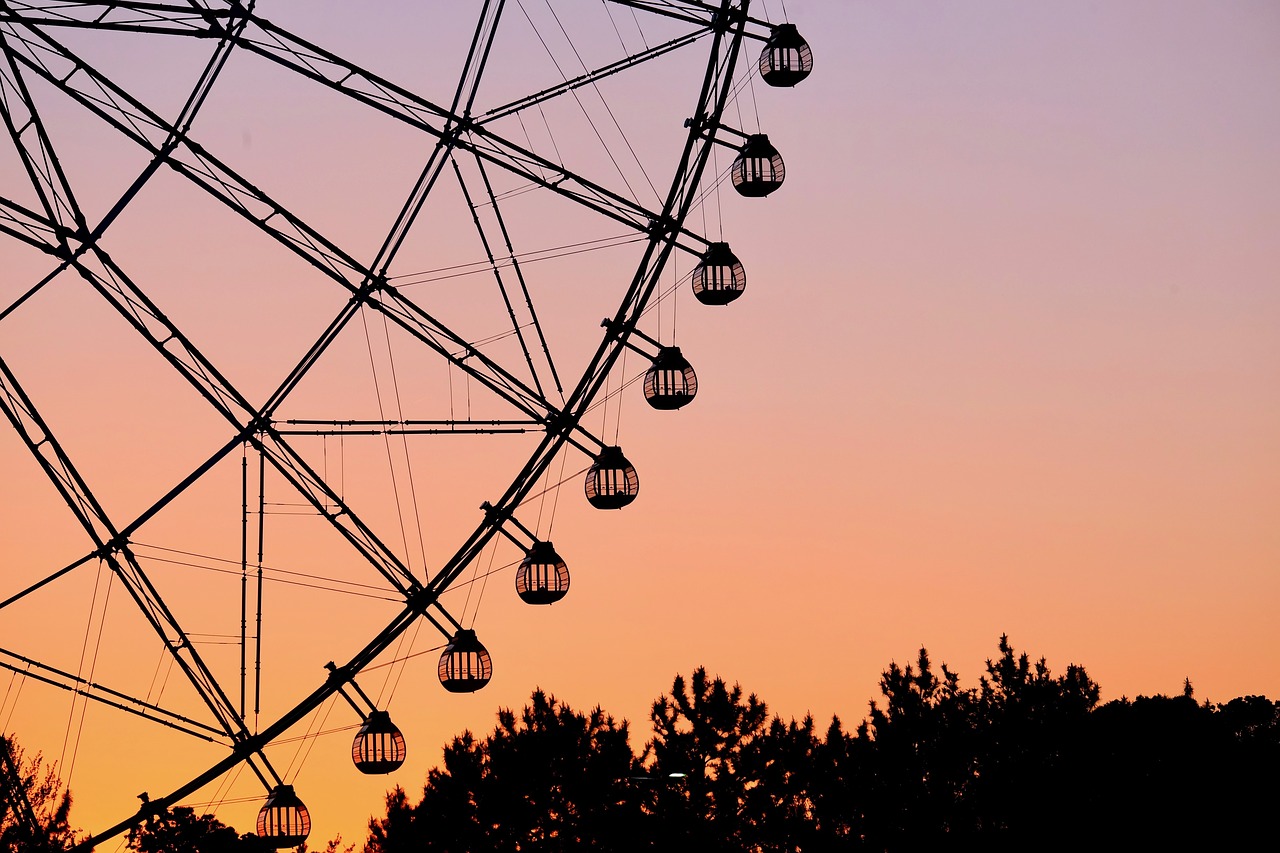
[(181, 830), (551, 779), (38, 787), (1024, 760)]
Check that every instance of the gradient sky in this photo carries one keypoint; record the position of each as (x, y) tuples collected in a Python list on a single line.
[(1008, 362)]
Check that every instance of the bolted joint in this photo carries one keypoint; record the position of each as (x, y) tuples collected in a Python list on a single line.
[(368, 287), (559, 423), (723, 19), (699, 123), (250, 746), (421, 599), (493, 514), (260, 425), (112, 547), (662, 227)]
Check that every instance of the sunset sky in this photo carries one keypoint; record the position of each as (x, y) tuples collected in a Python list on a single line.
[(1008, 361)]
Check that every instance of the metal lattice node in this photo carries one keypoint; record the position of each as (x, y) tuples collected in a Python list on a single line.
[(378, 746), (758, 169), (719, 277), (612, 481), (283, 820), (465, 665), (670, 382), (542, 577), (786, 58)]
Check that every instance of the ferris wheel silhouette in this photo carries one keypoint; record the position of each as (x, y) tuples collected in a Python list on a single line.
[(502, 135)]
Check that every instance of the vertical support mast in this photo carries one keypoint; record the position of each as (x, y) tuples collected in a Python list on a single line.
[(257, 633), (244, 578)]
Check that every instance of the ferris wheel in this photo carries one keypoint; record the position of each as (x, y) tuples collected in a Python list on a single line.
[(167, 209)]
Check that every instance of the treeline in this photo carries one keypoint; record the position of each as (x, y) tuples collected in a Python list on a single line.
[(1024, 759)]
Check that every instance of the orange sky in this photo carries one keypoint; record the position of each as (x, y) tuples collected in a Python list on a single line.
[(1008, 361)]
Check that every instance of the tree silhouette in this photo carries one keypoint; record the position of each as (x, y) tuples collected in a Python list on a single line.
[(551, 779), (181, 830), (1023, 760), (702, 731), (785, 804), (1031, 732), (1026, 759), (34, 810), (1176, 772), (916, 763)]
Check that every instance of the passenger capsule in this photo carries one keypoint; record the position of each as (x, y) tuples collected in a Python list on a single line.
[(786, 58), (465, 665), (719, 278), (670, 383), (542, 577), (283, 820), (758, 170), (612, 482), (378, 746)]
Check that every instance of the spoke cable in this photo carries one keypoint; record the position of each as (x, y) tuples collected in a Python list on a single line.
[(386, 439), (391, 684), (715, 192), (478, 577), (93, 666), (528, 144), (527, 256), (266, 568), (409, 656), (225, 786), (155, 676), (386, 596), (13, 675), (449, 368), (574, 93), (524, 288), (555, 493), (492, 262), (164, 682), (484, 578), (617, 421), (621, 43), (554, 145), (404, 440), (84, 649), (336, 730), (755, 104), (475, 576), (308, 740), (595, 85), (639, 28)]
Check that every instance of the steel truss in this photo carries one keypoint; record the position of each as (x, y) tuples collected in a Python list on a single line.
[(36, 52)]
